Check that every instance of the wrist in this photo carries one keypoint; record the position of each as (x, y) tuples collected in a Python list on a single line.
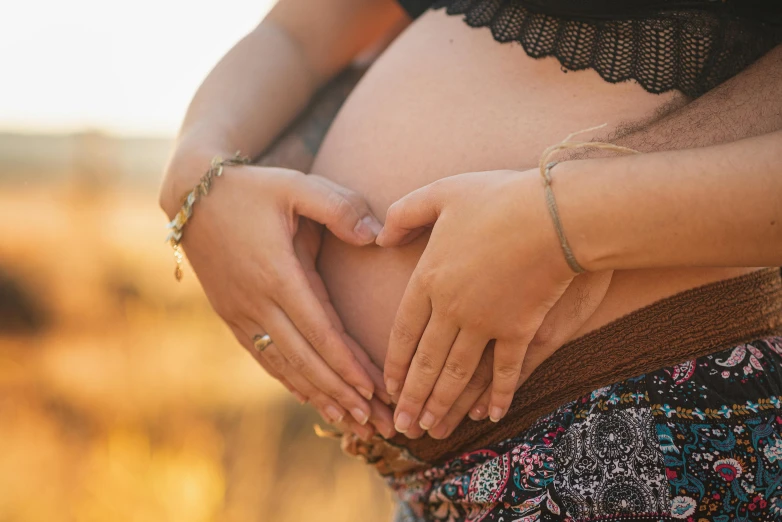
[(581, 190), (184, 169)]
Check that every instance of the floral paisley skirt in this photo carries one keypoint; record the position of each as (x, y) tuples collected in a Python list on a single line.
[(698, 441)]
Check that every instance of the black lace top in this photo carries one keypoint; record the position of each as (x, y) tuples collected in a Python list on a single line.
[(689, 45)]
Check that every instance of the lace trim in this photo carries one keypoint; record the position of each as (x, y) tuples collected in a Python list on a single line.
[(692, 51)]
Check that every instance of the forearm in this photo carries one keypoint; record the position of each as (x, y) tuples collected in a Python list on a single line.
[(749, 104), (247, 99), (712, 206)]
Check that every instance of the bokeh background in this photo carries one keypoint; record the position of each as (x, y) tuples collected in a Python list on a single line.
[(122, 396)]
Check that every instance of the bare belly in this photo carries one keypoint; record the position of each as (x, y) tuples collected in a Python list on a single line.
[(446, 99)]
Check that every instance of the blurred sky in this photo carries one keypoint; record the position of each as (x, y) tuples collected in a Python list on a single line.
[(129, 67)]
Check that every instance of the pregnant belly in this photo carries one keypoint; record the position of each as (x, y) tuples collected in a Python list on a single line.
[(446, 99)]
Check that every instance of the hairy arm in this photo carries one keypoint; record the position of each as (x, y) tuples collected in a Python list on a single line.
[(749, 104)]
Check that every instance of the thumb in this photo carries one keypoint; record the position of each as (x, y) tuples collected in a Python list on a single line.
[(344, 212), (406, 219)]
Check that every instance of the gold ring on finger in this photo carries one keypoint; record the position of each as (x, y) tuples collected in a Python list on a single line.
[(261, 342)]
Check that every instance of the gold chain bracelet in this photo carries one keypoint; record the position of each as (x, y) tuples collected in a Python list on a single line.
[(176, 226)]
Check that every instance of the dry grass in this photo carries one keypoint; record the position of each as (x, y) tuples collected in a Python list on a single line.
[(128, 399)]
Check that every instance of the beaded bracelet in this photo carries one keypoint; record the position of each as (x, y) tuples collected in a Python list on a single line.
[(545, 172), (174, 237)]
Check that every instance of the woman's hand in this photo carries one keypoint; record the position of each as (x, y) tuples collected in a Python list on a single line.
[(306, 244), (492, 270), (562, 323), (240, 242)]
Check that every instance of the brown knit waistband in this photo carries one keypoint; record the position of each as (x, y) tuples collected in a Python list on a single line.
[(684, 326)]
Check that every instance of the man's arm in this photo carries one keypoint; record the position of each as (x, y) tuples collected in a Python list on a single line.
[(747, 105)]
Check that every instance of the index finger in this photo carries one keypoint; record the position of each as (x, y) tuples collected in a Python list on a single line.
[(406, 217), (302, 307)]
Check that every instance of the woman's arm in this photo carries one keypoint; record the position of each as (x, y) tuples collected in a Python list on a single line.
[(712, 206), (267, 78), (253, 240)]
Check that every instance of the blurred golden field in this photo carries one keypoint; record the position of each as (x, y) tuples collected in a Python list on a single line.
[(122, 396)]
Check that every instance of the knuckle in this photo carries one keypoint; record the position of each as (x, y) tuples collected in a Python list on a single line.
[(297, 361), (455, 370), (403, 334), (425, 364), (477, 322), (290, 182), (506, 371), (354, 199), (314, 335), (338, 206), (395, 213), (452, 307), (437, 186)]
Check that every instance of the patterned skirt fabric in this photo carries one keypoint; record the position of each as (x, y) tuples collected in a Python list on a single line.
[(699, 441)]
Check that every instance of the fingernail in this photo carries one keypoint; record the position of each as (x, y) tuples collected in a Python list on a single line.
[(496, 414), (427, 421), (360, 415), (403, 422), (363, 231), (392, 386), (299, 397), (334, 414), (364, 392), (477, 413), (367, 229), (373, 224)]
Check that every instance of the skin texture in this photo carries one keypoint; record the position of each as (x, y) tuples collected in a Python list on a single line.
[(747, 105), (269, 76), (250, 242), (443, 100), (641, 223)]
